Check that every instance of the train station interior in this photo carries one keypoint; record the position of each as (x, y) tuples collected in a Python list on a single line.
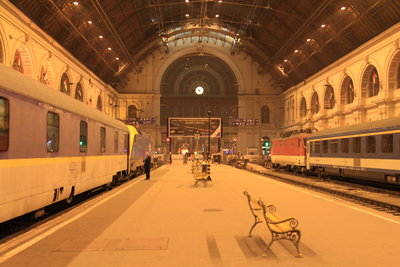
[(246, 110)]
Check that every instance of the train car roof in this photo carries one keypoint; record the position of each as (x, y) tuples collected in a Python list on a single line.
[(18, 83), (367, 127)]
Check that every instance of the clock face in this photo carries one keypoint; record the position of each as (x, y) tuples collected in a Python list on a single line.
[(199, 90)]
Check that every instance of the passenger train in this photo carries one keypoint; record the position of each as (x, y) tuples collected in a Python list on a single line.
[(367, 151), (53, 147)]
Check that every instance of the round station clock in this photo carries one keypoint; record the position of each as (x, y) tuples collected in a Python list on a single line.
[(199, 90)]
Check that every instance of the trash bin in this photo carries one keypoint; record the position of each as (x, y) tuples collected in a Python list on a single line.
[(204, 167)]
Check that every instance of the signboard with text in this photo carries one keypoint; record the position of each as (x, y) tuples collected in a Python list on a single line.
[(194, 127)]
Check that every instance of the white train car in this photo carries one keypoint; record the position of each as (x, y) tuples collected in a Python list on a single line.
[(368, 151), (52, 146)]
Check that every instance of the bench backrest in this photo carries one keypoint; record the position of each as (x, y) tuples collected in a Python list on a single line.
[(255, 207), (271, 218)]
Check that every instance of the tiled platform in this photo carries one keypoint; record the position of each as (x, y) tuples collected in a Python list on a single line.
[(168, 222)]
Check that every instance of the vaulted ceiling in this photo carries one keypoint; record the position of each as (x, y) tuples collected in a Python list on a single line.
[(289, 39)]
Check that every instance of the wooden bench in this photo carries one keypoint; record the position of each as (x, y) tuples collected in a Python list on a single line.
[(280, 228)]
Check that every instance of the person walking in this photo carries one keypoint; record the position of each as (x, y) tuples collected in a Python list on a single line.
[(147, 165)]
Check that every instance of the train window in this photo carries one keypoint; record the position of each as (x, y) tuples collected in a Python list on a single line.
[(387, 143), (325, 146), (317, 146), (4, 123), (371, 144), (334, 146), (53, 132), (126, 144), (344, 145), (357, 145), (83, 134), (116, 142), (102, 139)]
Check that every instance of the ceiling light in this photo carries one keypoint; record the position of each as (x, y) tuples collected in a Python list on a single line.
[(343, 8), (308, 40), (109, 49), (187, 1), (323, 26), (296, 51), (285, 60), (217, 16), (75, 3), (117, 58), (187, 15), (101, 36), (220, 1), (89, 21)]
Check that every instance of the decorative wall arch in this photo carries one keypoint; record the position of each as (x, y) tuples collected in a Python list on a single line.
[(303, 107), (329, 97), (132, 112), (394, 72), (221, 53), (22, 61), (65, 84), (79, 91), (47, 73), (370, 83), (347, 92), (2, 55), (265, 114), (314, 103), (99, 104)]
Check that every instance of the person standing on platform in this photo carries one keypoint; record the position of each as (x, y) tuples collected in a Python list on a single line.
[(170, 158), (147, 165)]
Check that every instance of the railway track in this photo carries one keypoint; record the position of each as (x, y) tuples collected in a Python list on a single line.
[(377, 198)]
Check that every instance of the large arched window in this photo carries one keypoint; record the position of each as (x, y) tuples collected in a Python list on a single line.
[(265, 114), (329, 98), (314, 103), (79, 92), (303, 108), (65, 85), (132, 112), (99, 103), (347, 91), (370, 82), (394, 72)]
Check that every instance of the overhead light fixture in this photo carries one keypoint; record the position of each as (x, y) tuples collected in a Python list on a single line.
[(323, 26), (296, 51), (101, 36), (89, 21), (109, 49), (308, 40), (187, 15), (75, 3), (285, 60), (343, 8), (220, 1), (217, 16), (117, 58), (187, 1)]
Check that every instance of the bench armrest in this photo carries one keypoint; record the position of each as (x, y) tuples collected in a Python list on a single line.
[(292, 221)]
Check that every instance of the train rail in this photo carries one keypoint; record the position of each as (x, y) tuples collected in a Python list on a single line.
[(377, 198)]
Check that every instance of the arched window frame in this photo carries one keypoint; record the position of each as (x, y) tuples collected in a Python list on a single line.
[(370, 82), (329, 98), (303, 107), (394, 72), (265, 114), (132, 112), (314, 103), (347, 92)]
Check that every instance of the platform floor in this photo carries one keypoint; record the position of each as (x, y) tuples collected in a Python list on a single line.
[(166, 221)]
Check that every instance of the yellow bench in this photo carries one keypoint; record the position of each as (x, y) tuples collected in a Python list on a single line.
[(280, 228), (200, 176)]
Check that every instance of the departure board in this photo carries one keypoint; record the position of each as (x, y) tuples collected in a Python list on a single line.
[(189, 127)]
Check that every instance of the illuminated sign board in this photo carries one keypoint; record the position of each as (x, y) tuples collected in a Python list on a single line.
[(189, 127), (244, 122)]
